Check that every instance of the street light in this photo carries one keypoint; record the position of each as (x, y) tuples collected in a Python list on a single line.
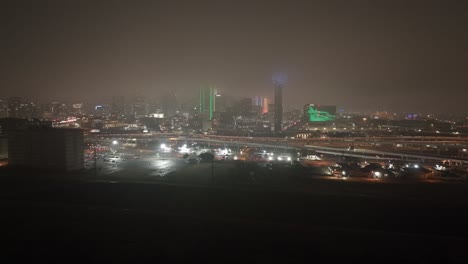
[(114, 143)]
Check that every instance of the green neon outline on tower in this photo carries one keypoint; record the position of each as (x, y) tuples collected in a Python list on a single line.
[(207, 100)]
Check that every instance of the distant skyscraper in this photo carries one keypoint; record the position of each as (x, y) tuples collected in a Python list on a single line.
[(169, 104), (257, 100), (140, 108), (207, 101), (245, 106), (261, 103), (279, 80), (118, 105), (265, 105)]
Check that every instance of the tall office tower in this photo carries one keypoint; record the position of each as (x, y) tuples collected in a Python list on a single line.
[(260, 103), (245, 106), (14, 105), (279, 80), (55, 109), (139, 108), (265, 105), (207, 105), (207, 101), (169, 104), (257, 100), (118, 105)]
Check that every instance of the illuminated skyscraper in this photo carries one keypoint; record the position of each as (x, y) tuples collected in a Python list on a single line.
[(207, 102), (265, 105), (279, 80), (261, 103)]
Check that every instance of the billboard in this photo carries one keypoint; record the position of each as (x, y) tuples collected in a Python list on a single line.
[(319, 113)]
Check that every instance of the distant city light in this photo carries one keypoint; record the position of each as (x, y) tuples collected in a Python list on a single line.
[(115, 142)]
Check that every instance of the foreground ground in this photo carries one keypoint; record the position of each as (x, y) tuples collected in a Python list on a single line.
[(62, 219)]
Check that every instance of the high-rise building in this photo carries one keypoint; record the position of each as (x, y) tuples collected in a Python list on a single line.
[(260, 103), (169, 104), (118, 106), (140, 107), (265, 105), (244, 106), (207, 101), (279, 80)]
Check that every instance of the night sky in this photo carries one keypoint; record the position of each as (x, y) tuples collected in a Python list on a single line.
[(376, 55)]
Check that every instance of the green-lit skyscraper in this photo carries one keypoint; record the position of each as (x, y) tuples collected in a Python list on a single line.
[(207, 101)]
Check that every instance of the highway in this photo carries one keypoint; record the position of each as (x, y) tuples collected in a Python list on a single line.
[(286, 145)]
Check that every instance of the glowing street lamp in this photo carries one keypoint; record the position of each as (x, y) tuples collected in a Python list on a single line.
[(113, 146)]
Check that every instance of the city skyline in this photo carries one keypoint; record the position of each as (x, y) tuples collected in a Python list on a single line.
[(395, 56)]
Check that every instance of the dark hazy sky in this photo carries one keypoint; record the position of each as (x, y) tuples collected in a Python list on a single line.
[(396, 55)]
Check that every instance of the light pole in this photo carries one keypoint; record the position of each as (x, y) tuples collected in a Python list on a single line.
[(95, 161), (114, 144), (212, 170)]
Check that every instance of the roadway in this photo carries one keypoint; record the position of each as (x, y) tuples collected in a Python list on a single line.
[(294, 145)]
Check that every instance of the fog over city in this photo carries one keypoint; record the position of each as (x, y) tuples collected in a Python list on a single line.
[(359, 55), (234, 131)]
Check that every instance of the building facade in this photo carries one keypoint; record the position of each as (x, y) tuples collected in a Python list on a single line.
[(46, 148)]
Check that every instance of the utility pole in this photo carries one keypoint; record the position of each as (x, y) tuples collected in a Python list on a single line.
[(95, 162), (212, 171)]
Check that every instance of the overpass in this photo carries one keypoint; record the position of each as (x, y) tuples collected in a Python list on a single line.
[(359, 153)]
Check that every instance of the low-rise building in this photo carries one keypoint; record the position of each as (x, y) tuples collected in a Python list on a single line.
[(46, 148)]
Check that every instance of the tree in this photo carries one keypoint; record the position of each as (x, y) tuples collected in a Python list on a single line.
[(206, 156)]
